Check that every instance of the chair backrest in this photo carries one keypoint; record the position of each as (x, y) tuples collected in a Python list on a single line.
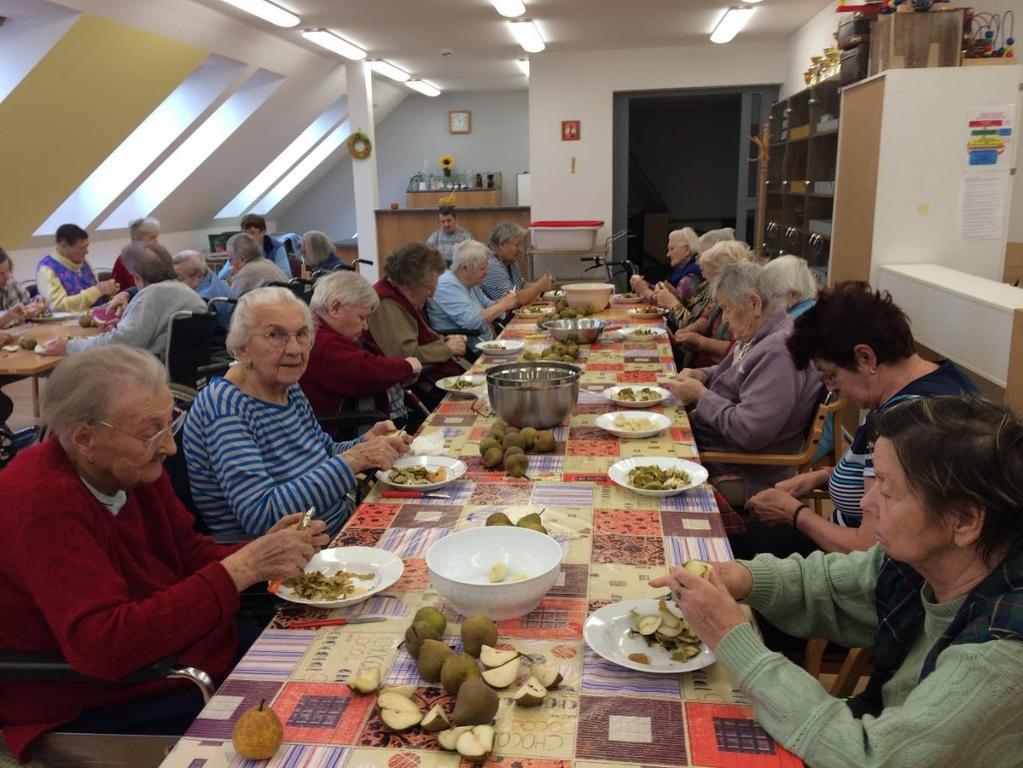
[(30, 287), (299, 286), (189, 345), (829, 407)]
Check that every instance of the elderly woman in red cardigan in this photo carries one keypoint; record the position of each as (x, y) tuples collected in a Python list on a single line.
[(99, 561), (344, 368)]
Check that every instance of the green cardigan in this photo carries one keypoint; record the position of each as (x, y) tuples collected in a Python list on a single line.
[(965, 713)]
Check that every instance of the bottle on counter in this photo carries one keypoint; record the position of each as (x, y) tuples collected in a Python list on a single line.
[(479, 181)]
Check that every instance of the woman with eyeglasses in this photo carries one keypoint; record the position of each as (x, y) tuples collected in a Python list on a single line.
[(862, 347), (99, 561), (254, 450)]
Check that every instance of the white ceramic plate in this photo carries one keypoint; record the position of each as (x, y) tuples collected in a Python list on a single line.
[(501, 347), (626, 298), (385, 566), (642, 332), (619, 473), (56, 317), (448, 383), (455, 469), (534, 311), (552, 295), (657, 422), (606, 631), (649, 312), (611, 393)]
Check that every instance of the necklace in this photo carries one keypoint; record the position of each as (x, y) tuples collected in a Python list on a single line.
[(741, 350)]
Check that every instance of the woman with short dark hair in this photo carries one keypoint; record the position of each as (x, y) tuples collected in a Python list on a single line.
[(936, 598), (861, 344)]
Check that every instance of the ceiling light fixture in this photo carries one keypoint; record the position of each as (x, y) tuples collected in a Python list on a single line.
[(509, 8), (524, 66), (751, 2), (731, 24), (326, 39), (423, 87), (528, 35), (387, 69), (266, 11)]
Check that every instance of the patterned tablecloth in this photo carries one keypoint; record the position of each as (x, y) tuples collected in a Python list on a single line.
[(614, 542)]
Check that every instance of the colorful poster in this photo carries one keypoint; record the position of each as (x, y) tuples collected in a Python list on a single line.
[(990, 137)]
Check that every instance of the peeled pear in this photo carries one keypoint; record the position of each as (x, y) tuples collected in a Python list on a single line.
[(477, 631), (258, 733), (435, 719), (457, 668), (476, 744), (399, 713), (494, 657), (548, 675), (531, 694), (697, 568), (367, 681), (499, 518), (476, 703), (416, 635), (449, 739), (431, 660), (432, 616), (502, 676), (498, 573)]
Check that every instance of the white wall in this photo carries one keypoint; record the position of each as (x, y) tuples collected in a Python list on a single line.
[(809, 40), (580, 86)]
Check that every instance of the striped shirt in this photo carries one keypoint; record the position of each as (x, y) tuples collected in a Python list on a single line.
[(251, 462), (501, 278)]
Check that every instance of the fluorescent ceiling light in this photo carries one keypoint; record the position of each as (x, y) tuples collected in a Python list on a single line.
[(389, 70), (509, 8), (266, 11), (334, 43), (751, 2), (731, 24), (524, 66), (423, 87), (528, 35)]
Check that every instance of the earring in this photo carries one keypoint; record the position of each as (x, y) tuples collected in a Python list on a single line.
[(873, 371)]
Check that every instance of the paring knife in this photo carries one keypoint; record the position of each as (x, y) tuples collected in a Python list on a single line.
[(317, 623), (389, 494)]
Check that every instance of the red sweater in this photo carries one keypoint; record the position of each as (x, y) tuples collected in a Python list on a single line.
[(340, 368), (121, 274), (112, 593)]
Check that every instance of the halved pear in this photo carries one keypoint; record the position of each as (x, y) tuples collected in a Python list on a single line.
[(367, 681), (476, 744), (697, 568), (649, 624), (667, 631), (548, 675), (531, 694), (435, 719), (667, 617), (503, 676), (494, 657), (399, 713), (449, 739)]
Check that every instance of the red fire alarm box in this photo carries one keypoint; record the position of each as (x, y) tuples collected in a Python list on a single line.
[(570, 130)]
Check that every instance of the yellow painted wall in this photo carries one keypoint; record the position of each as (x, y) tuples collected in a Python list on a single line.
[(73, 109)]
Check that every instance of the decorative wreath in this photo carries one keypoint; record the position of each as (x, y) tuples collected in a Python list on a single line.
[(359, 145)]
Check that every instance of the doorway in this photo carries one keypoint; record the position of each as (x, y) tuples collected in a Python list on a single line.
[(682, 159)]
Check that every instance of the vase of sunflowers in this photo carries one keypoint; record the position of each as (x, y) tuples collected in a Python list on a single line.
[(447, 162)]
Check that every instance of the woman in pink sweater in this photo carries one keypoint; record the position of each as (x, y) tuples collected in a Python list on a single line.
[(99, 561)]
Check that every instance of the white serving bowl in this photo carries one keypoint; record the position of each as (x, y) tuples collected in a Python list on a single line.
[(460, 563), (594, 295)]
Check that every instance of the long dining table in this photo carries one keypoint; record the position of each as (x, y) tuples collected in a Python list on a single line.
[(614, 543)]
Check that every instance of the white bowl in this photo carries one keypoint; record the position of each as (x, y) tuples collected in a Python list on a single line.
[(597, 296), (619, 473), (455, 468), (657, 422), (460, 564)]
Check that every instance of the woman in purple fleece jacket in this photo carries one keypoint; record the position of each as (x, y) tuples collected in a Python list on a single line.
[(755, 400)]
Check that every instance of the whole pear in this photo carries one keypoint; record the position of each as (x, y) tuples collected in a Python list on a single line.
[(432, 616), (476, 703), (499, 518), (416, 634), (456, 670), (477, 631), (432, 656), (531, 521), (258, 733)]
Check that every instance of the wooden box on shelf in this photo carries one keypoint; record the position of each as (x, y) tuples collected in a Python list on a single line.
[(906, 40)]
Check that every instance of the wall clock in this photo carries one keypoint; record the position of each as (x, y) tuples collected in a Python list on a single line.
[(460, 121)]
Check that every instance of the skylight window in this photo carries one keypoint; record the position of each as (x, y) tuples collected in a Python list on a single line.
[(310, 163), (194, 150), (31, 30), (285, 160), (145, 143)]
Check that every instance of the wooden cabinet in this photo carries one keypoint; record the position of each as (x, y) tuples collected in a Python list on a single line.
[(803, 138)]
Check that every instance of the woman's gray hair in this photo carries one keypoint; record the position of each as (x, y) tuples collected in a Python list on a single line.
[(241, 320), (724, 254), (688, 235), (350, 289), (504, 232), (789, 274), (90, 386), (244, 247), (471, 254), (139, 227), (316, 248), (737, 281), (150, 261), (712, 237), (194, 258)]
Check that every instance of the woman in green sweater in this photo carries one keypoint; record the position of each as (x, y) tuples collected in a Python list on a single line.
[(939, 599)]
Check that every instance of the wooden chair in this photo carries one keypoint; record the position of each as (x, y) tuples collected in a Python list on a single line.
[(856, 664)]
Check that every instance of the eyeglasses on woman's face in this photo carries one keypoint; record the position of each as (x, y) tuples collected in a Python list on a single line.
[(278, 337), (155, 440)]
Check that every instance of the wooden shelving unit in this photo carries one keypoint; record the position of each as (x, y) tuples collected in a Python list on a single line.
[(803, 140)]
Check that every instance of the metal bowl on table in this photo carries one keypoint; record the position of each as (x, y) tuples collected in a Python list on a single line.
[(582, 330), (540, 394)]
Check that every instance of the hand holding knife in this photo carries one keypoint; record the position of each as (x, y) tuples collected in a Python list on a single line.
[(303, 524)]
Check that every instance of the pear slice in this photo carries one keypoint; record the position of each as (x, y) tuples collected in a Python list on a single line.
[(503, 676), (548, 675), (531, 694), (649, 624), (667, 617), (399, 713), (367, 681), (449, 739), (498, 573), (697, 568), (493, 657), (402, 690), (668, 632), (477, 744), (436, 720)]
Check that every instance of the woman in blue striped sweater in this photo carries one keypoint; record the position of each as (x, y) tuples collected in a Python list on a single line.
[(254, 450)]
